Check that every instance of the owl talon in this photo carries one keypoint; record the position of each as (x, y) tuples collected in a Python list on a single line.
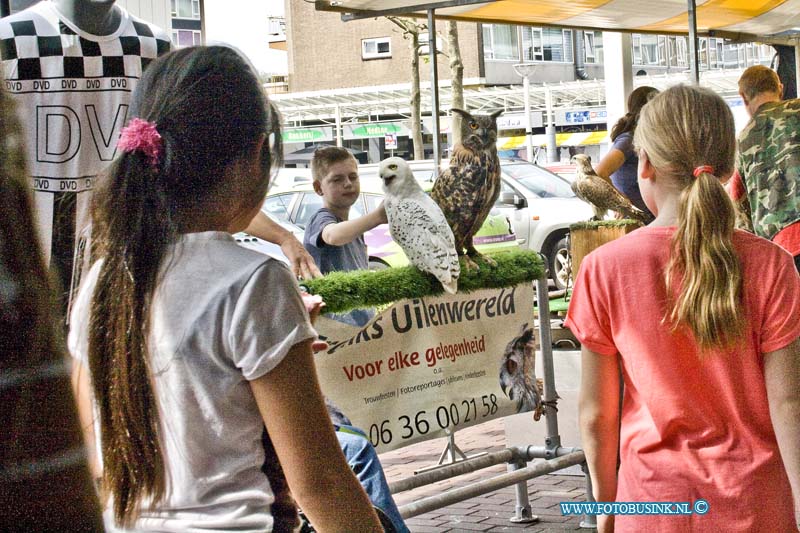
[(470, 265), (475, 254)]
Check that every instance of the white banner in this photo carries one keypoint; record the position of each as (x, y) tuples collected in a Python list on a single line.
[(426, 365)]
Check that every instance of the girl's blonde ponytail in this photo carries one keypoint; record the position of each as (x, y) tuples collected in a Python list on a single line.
[(688, 135)]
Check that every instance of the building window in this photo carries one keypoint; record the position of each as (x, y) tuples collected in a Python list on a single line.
[(662, 50), (183, 38), (500, 41), (376, 48), (546, 44), (702, 51), (557, 45), (593, 46), (424, 49), (276, 26), (681, 52), (645, 49), (186, 9), (532, 44)]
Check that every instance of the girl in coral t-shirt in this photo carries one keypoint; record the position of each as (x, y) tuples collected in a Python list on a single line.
[(702, 324)]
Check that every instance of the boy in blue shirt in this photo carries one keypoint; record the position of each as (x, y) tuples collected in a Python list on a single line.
[(334, 241), (331, 238), (337, 243)]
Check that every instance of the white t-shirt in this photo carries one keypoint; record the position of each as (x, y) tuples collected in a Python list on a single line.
[(221, 315)]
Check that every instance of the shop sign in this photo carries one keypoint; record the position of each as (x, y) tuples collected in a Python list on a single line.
[(378, 129), (517, 121), (300, 135), (577, 117)]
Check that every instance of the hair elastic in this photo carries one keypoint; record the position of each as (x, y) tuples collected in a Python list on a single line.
[(141, 136), (708, 169)]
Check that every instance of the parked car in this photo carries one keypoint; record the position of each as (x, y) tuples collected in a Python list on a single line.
[(565, 170), (286, 177), (268, 248), (297, 203), (540, 205)]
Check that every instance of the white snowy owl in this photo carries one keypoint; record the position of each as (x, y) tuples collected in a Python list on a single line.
[(418, 225)]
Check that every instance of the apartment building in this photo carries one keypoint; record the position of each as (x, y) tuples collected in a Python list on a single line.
[(326, 53), (334, 60), (186, 22)]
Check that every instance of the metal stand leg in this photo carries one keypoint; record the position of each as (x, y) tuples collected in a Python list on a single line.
[(452, 453), (522, 513), (451, 450), (588, 521)]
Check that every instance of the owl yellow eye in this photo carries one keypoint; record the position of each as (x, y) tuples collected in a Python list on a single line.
[(473, 125), (392, 167)]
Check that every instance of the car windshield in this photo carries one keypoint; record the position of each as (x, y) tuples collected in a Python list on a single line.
[(539, 181)]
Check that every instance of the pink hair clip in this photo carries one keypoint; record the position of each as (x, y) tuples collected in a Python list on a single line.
[(141, 135), (708, 169)]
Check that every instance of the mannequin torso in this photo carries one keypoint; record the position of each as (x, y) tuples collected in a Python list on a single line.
[(98, 17)]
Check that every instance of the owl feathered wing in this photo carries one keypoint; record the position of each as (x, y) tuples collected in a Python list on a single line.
[(466, 194), (420, 228), (603, 196)]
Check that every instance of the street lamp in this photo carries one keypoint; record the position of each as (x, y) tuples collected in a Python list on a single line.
[(526, 70)]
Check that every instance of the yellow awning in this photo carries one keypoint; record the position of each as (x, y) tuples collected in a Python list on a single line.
[(562, 139), (752, 17)]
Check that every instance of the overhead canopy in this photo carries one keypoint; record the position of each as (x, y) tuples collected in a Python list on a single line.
[(724, 17)]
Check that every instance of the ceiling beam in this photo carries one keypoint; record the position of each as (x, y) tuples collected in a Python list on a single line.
[(350, 14)]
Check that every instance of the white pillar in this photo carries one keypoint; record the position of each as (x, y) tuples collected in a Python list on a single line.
[(338, 127), (550, 127), (618, 70), (526, 86)]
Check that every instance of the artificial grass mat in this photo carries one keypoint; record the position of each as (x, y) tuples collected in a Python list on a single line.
[(345, 291), (594, 224)]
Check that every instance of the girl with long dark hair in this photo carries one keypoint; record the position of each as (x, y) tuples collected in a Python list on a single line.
[(198, 350)]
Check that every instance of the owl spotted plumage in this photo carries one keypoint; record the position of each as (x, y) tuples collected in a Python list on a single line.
[(600, 194), (468, 189), (418, 225)]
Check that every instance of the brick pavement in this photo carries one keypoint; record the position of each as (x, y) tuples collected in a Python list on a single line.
[(490, 512)]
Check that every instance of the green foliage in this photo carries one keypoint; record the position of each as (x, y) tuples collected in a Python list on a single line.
[(594, 224), (345, 291)]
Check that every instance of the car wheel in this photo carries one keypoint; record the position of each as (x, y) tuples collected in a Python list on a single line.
[(559, 263), (377, 264)]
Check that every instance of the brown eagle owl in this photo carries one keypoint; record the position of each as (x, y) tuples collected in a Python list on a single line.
[(468, 189)]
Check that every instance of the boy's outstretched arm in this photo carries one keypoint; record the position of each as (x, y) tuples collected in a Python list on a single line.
[(302, 263), (342, 233)]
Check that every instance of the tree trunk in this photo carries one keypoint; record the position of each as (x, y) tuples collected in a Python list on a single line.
[(416, 115), (456, 78), (411, 31)]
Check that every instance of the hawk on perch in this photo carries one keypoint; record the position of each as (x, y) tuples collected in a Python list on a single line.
[(601, 194)]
